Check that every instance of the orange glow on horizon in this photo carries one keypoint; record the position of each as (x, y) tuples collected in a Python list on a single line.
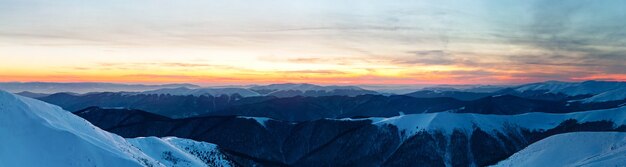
[(270, 78)]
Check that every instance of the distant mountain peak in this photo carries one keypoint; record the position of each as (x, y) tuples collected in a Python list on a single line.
[(82, 87), (609, 90), (184, 91), (303, 87)]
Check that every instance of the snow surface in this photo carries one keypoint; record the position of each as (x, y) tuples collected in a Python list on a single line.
[(261, 120), (553, 87), (602, 90), (617, 94), (177, 152), (206, 152), (35, 133), (447, 122), (573, 149)]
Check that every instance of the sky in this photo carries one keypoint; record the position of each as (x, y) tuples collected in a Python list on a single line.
[(212, 42)]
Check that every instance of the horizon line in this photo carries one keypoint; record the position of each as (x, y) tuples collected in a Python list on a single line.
[(320, 84)]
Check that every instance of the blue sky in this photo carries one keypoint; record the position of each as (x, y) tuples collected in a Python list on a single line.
[(386, 42)]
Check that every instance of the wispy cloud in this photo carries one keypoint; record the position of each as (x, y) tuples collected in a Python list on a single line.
[(365, 41)]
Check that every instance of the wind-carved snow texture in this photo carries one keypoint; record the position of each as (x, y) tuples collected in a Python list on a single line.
[(39, 134), (617, 94), (573, 149), (448, 122), (177, 152), (601, 91), (35, 133)]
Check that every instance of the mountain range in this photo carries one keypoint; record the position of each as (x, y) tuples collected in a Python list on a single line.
[(433, 139), (77, 87), (540, 124), (588, 91), (507, 101)]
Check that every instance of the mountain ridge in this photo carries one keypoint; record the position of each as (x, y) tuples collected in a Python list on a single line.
[(40, 134), (403, 140)]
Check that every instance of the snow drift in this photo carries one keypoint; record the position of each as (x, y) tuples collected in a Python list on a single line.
[(35, 133), (573, 149)]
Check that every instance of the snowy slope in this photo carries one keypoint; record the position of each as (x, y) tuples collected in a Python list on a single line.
[(34, 133), (616, 94), (174, 152), (573, 149), (554, 87), (447, 122), (574, 88), (203, 91), (602, 90), (261, 120)]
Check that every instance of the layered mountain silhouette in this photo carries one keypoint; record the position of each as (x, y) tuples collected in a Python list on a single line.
[(513, 126), (301, 108), (433, 139)]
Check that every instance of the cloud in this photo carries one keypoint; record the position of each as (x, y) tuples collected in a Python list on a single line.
[(155, 65), (547, 40), (572, 39), (344, 61), (427, 57), (306, 72)]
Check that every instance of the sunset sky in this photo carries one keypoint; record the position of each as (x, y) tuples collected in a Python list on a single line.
[(212, 42)]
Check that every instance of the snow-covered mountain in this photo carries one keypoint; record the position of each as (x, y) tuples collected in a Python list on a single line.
[(279, 90), (586, 92), (467, 88), (367, 130), (460, 95), (600, 91), (573, 149), (55, 87), (431, 139), (448, 122), (35, 133), (32, 94), (184, 91), (291, 90), (615, 94), (303, 87), (573, 88), (172, 152)]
